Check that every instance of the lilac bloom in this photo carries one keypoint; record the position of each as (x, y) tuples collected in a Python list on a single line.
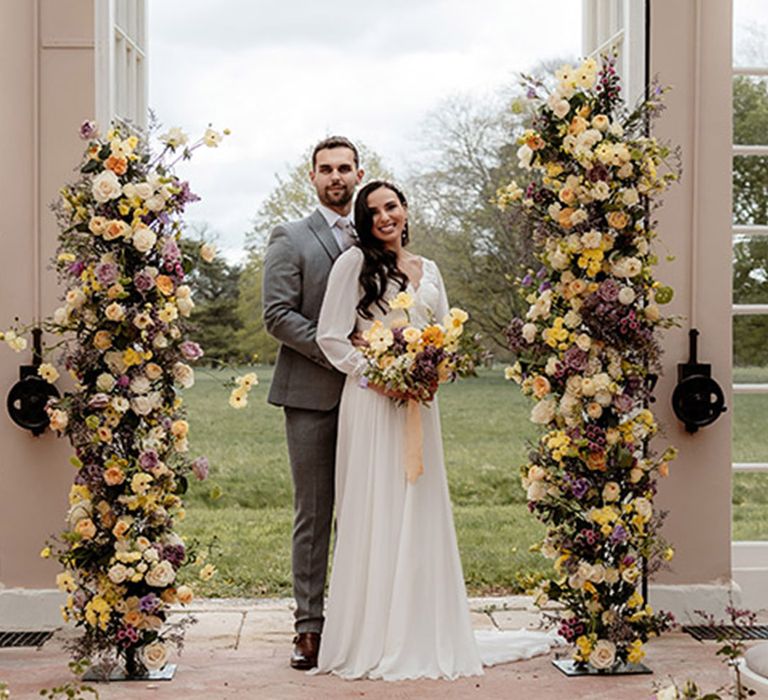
[(200, 468), (191, 350), (88, 130)]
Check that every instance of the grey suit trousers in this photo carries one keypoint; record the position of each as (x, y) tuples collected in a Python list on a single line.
[(312, 451)]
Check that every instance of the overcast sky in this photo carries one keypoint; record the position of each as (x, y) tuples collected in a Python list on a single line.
[(284, 74)]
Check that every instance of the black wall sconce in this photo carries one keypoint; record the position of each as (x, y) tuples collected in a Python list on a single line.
[(697, 399), (28, 397)]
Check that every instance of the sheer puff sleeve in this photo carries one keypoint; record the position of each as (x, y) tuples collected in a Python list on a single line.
[(338, 314)]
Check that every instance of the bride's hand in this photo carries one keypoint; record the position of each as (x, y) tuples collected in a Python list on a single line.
[(356, 338), (389, 393)]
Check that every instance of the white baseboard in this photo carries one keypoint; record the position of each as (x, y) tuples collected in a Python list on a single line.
[(682, 600), (30, 609)]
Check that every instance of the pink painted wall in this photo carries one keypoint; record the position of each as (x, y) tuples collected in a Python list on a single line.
[(46, 83), (697, 223)]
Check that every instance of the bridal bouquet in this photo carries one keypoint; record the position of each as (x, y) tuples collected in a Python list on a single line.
[(588, 352), (412, 362)]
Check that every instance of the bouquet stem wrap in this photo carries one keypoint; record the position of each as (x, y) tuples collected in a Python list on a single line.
[(414, 442)]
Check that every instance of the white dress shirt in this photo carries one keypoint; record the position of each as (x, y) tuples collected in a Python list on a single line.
[(335, 222)]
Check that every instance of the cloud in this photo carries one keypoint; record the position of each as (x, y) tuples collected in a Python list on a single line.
[(282, 75)]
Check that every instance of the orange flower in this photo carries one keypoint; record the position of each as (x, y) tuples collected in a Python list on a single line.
[(596, 461), (118, 166), (664, 469), (133, 618), (617, 219), (433, 335), (534, 141), (564, 217), (164, 284), (114, 476)]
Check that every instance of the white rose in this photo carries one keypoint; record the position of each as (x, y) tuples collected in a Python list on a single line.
[(544, 411), (106, 186), (551, 367), (601, 191), (161, 575), (604, 398), (611, 491), (80, 510), (144, 239), (643, 508), (120, 404), (183, 291), (529, 332), (591, 239), (141, 405), (207, 252), (603, 655), (140, 385), (185, 306), (630, 196), (524, 156), (588, 387), (154, 656), (652, 312), (184, 375), (144, 190), (601, 122), (616, 130), (75, 298), (584, 342), (117, 573), (559, 106), (160, 341), (559, 259), (155, 203), (105, 382), (115, 361), (626, 295), (536, 490), (115, 312), (627, 267)]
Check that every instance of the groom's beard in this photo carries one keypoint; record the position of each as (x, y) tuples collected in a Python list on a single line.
[(337, 195)]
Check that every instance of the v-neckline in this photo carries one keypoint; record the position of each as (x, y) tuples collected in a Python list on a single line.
[(417, 286)]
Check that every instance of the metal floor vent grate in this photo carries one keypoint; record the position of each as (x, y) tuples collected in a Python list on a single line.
[(709, 632), (24, 639)]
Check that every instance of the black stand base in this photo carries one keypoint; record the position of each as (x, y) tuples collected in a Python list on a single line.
[(570, 668), (165, 673)]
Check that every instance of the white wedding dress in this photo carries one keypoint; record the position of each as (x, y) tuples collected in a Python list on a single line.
[(397, 607)]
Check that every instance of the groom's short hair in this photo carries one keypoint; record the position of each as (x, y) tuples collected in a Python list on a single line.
[(335, 142)]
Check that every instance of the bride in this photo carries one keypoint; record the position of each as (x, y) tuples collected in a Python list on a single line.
[(397, 606)]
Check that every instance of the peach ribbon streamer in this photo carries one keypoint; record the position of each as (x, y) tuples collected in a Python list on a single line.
[(414, 443)]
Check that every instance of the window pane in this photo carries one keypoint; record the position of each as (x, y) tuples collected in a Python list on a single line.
[(750, 109), (750, 506), (750, 33), (750, 190), (750, 349), (750, 270), (750, 421)]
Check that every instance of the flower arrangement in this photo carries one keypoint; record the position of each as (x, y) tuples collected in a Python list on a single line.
[(410, 362), (588, 351), (124, 320)]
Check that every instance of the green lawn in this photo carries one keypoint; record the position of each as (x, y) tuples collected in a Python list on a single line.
[(245, 506)]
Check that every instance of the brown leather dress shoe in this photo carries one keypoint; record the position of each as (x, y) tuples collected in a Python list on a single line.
[(305, 648)]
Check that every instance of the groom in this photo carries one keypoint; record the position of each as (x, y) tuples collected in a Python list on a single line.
[(296, 267)]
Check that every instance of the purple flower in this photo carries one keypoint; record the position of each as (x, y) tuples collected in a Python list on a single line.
[(170, 251), (88, 130), (608, 290), (527, 280), (76, 268), (575, 359), (174, 553), (191, 350), (107, 273), (149, 459), (143, 281), (123, 381), (200, 468), (580, 487), (149, 603), (618, 535)]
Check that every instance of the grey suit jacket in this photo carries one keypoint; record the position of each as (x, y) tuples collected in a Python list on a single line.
[(299, 258)]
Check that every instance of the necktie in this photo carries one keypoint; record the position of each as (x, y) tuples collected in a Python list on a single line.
[(348, 236)]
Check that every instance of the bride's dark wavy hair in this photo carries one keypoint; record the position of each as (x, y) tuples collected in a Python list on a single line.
[(379, 264)]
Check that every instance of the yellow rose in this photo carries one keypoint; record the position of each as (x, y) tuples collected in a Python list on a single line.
[(402, 301), (102, 340)]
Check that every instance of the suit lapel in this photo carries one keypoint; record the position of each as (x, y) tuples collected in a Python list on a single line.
[(319, 227)]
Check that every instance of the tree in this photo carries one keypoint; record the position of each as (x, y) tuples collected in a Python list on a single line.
[(472, 152), (215, 289), (750, 206)]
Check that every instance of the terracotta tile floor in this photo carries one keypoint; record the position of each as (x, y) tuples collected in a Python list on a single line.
[(239, 649)]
